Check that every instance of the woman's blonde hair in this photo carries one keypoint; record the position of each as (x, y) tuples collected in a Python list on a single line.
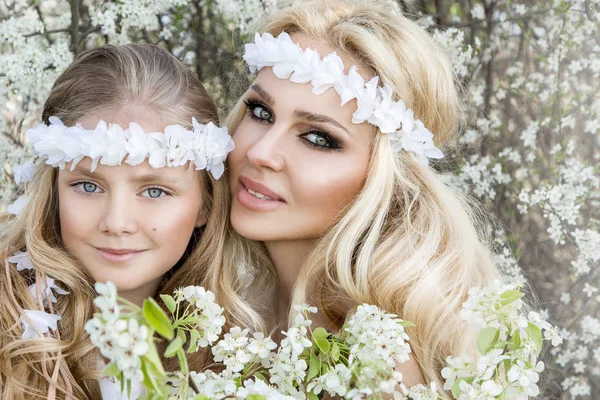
[(65, 364), (408, 243)]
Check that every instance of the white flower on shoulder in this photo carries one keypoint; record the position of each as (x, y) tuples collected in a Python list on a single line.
[(46, 291), (328, 73), (23, 173), (21, 258), (35, 321), (18, 206)]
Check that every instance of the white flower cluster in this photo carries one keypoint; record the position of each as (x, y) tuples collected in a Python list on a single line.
[(289, 370), (375, 103), (206, 146), (122, 340), (207, 316), (377, 336), (495, 311)]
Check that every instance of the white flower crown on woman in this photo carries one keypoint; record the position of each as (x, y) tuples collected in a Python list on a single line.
[(375, 104), (205, 146)]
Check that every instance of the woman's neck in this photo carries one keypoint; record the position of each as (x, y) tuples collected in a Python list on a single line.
[(288, 258)]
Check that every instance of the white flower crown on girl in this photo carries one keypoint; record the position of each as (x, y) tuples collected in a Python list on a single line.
[(206, 146), (375, 104)]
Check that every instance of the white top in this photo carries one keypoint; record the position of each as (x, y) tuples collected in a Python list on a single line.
[(111, 390)]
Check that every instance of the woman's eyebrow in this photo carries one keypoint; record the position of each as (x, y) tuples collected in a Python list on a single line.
[(314, 117), (263, 93)]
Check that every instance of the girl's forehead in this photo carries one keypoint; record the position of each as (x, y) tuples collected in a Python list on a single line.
[(146, 117), (142, 172)]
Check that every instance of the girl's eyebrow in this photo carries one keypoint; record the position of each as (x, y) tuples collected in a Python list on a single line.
[(142, 178)]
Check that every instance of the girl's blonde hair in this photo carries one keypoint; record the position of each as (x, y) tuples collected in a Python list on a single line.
[(408, 243), (65, 364)]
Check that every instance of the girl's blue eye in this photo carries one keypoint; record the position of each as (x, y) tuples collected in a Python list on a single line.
[(154, 193), (89, 187)]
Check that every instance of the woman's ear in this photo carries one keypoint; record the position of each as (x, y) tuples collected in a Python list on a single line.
[(202, 218)]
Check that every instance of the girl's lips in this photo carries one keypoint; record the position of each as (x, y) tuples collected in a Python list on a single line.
[(118, 256), (251, 202)]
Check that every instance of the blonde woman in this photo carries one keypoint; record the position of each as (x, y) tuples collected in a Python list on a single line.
[(330, 175), (117, 195)]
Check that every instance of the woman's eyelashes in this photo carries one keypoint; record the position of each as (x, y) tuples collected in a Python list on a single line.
[(314, 137), (321, 140), (90, 188), (258, 111)]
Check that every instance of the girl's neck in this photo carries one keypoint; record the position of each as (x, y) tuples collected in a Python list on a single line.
[(139, 294)]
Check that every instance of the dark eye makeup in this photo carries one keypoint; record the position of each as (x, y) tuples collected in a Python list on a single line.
[(315, 138)]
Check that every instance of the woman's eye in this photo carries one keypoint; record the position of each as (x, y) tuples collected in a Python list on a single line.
[(154, 193), (259, 112), (320, 140)]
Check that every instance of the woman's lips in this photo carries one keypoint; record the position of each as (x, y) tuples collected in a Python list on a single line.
[(256, 196), (118, 255)]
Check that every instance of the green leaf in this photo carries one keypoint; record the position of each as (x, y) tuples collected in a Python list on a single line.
[(323, 345), (201, 397), (335, 351), (255, 397), (320, 333), (510, 296), (157, 318), (536, 335), (169, 302), (173, 347), (111, 370), (194, 336), (487, 337), (149, 378), (314, 365), (406, 324), (154, 360), (260, 376), (312, 396)]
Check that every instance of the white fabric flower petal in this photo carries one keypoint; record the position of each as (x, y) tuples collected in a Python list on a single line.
[(47, 291), (328, 73), (21, 258), (23, 173), (206, 146), (18, 206), (34, 321), (374, 104)]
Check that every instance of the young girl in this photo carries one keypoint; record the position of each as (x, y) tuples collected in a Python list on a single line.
[(330, 174), (125, 190)]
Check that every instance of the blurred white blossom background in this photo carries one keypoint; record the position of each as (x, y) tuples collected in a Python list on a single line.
[(529, 150)]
